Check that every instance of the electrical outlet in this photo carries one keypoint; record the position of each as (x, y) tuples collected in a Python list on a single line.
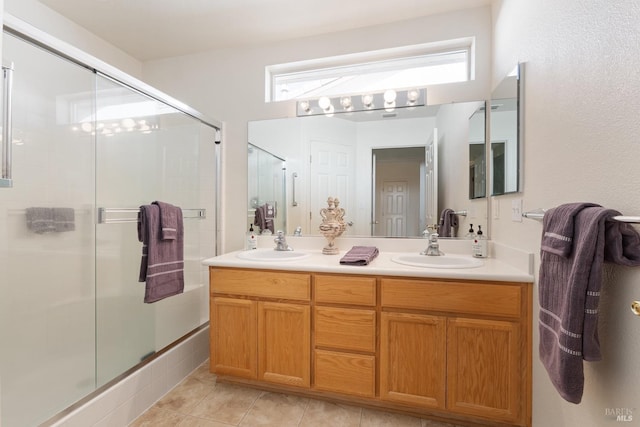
[(516, 210)]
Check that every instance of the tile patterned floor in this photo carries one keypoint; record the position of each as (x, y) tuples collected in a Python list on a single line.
[(199, 401)]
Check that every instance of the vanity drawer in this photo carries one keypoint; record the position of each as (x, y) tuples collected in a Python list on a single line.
[(256, 283), (450, 296), (344, 373), (345, 328), (345, 290)]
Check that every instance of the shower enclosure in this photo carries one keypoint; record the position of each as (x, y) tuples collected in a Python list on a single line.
[(83, 153), (266, 187)]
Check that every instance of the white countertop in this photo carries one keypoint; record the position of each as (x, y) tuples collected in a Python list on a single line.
[(493, 268)]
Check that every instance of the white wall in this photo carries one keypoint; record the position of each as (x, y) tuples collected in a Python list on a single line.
[(581, 127), (51, 22), (230, 85)]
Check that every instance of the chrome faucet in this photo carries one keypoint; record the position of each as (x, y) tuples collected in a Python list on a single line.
[(281, 242), (434, 247), (298, 231)]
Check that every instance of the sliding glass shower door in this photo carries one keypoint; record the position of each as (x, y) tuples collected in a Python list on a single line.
[(146, 151), (47, 240), (87, 152)]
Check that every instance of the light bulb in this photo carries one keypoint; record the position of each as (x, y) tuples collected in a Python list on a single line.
[(367, 100), (324, 103), (128, 123), (389, 96), (304, 105), (345, 101), (412, 96)]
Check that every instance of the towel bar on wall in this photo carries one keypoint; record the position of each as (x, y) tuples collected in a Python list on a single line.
[(103, 214), (461, 213), (539, 215)]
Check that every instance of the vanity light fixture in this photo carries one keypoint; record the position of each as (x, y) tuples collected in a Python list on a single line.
[(388, 100)]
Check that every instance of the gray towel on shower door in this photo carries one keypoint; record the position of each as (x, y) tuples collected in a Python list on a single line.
[(162, 264), (168, 220), (577, 239), (64, 219), (40, 220)]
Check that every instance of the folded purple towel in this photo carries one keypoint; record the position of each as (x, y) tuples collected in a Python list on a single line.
[(168, 220), (359, 255), (558, 229)]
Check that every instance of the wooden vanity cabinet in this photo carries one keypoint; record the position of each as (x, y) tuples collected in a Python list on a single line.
[(459, 346), (261, 325), (453, 349)]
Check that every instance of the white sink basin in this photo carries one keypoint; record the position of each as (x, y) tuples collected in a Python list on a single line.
[(442, 261), (270, 255)]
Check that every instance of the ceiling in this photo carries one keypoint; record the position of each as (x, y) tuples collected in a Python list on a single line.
[(153, 29)]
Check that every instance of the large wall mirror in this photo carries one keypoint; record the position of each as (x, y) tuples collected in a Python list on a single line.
[(393, 172), (506, 145)]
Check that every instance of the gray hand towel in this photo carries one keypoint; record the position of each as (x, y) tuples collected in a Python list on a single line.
[(359, 255), (40, 220), (569, 287), (264, 218), (168, 220), (64, 219), (162, 263), (448, 225)]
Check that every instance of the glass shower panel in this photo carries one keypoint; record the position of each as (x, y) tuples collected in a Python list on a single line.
[(146, 151), (47, 270)]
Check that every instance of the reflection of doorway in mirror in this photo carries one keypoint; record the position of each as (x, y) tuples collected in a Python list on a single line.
[(498, 166), (396, 180)]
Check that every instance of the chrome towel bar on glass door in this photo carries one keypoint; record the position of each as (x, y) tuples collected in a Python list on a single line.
[(539, 215), (103, 214)]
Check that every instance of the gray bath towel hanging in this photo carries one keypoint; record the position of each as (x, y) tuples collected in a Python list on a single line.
[(162, 263), (577, 239)]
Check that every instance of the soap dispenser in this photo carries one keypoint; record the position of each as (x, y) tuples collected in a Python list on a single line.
[(479, 245), (252, 239), (470, 234)]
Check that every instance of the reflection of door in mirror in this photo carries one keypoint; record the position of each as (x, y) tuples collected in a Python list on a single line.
[(331, 175), (477, 155), (431, 209), (396, 182), (266, 189)]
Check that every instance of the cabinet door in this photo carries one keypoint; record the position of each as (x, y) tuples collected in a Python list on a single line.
[(233, 337), (284, 332), (412, 359), (483, 368)]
